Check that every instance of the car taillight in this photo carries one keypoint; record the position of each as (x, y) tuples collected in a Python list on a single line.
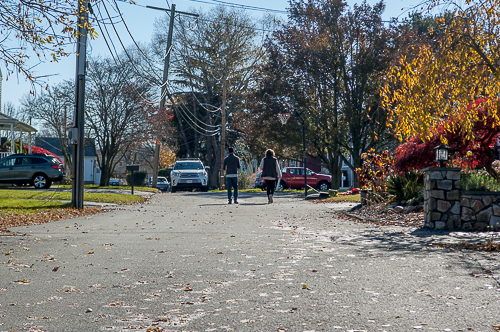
[(55, 166)]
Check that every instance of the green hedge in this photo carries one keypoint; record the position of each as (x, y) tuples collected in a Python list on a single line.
[(139, 178), (165, 172)]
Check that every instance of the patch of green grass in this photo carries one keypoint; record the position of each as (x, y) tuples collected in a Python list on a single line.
[(344, 199), (96, 186), (14, 199), (30, 204)]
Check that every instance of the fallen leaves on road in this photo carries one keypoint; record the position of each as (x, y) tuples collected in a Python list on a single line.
[(490, 245), (22, 281), (384, 216), (42, 216)]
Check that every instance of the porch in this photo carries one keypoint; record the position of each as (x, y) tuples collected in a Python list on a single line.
[(14, 130)]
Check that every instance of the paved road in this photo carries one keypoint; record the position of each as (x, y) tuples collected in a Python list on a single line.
[(189, 262)]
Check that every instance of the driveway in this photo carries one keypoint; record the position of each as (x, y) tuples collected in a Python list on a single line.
[(190, 262)]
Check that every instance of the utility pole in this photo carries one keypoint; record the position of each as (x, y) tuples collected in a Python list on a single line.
[(223, 130), (78, 152), (166, 66)]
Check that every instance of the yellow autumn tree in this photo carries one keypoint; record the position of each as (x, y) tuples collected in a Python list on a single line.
[(439, 79), (167, 157)]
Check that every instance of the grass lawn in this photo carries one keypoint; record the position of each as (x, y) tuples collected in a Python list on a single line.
[(96, 186), (343, 199), (25, 207), (20, 199)]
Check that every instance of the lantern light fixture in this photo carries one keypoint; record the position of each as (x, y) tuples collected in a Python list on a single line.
[(441, 154)]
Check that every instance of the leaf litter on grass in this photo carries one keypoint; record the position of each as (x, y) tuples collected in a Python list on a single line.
[(15, 219)]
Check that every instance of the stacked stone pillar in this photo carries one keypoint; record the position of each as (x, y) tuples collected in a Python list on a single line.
[(442, 198)]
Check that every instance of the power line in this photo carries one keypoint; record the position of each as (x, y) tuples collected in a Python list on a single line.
[(123, 46), (132, 37), (117, 59), (235, 5)]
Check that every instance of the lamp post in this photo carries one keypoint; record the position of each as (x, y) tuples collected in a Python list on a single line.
[(441, 154)]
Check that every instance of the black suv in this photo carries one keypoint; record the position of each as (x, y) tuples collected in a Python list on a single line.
[(38, 170)]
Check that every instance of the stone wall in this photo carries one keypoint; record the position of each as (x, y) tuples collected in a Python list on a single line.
[(442, 198), (447, 207), (480, 210)]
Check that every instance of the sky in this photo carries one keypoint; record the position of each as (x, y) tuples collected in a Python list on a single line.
[(140, 21)]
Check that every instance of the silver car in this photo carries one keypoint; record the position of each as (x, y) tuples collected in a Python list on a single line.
[(161, 183)]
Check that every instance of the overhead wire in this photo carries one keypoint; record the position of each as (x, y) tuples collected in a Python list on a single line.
[(235, 5), (124, 48), (191, 119), (133, 39), (117, 59), (185, 113), (188, 118)]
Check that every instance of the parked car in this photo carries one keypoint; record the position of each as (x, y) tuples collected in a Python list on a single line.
[(259, 182), (38, 170), (188, 174), (161, 183), (114, 182), (293, 177)]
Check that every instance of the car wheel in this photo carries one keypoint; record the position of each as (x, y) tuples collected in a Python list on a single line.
[(40, 181), (323, 186), (174, 189), (204, 189), (281, 186)]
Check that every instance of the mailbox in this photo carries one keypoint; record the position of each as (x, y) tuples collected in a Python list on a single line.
[(133, 167)]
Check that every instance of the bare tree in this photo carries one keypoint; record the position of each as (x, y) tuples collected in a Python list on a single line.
[(116, 105)]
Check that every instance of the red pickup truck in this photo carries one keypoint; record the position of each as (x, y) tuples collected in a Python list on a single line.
[(293, 177)]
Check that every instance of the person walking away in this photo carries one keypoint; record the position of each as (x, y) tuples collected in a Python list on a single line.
[(231, 166), (270, 173)]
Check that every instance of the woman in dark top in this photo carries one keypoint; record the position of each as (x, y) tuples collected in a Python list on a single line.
[(270, 173)]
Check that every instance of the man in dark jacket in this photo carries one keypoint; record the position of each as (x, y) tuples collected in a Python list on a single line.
[(231, 166)]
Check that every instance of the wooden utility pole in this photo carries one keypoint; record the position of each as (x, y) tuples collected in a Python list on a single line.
[(223, 131), (166, 66), (78, 153)]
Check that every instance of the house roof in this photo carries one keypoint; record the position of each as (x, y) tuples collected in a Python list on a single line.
[(53, 145), (6, 122)]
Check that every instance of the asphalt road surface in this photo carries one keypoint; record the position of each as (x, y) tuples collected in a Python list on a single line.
[(190, 262)]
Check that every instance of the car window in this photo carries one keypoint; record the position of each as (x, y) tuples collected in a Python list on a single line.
[(8, 162), (308, 172), (162, 180), (37, 160), (24, 161), (188, 165)]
